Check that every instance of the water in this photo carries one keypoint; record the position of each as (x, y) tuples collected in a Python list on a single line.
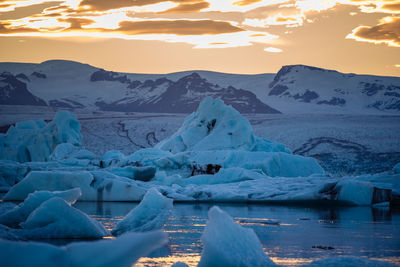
[(351, 231)]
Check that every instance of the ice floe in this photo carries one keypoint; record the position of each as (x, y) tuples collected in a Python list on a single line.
[(150, 214), (120, 252), (227, 243)]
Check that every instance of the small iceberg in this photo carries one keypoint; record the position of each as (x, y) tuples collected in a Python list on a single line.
[(226, 243), (151, 214)]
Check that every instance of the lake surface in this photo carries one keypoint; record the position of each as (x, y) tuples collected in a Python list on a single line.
[(349, 231)]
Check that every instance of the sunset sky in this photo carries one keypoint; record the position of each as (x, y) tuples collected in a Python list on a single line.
[(235, 36)]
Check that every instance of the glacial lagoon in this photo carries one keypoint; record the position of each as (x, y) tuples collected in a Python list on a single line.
[(303, 234)]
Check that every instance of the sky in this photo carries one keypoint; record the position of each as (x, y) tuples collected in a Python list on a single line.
[(233, 36)]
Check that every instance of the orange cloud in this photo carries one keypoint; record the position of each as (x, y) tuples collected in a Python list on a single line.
[(188, 8), (76, 23), (6, 29), (246, 2), (387, 32), (177, 27)]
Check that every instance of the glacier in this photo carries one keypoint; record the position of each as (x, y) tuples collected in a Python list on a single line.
[(213, 156)]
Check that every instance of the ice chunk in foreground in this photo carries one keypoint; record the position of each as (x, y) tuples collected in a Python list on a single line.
[(55, 218), (226, 243), (215, 126), (120, 252), (95, 186), (21, 212), (32, 254), (348, 261), (35, 140), (150, 214)]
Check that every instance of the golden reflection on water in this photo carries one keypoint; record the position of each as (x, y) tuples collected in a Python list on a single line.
[(189, 259)]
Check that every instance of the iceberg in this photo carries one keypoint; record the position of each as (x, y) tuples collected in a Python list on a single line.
[(396, 168), (35, 140), (120, 252), (69, 154), (226, 243), (11, 172), (55, 218), (150, 214), (20, 213), (215, 126), (95, 186)]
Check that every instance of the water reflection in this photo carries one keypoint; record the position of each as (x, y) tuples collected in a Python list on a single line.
[(357, 231)]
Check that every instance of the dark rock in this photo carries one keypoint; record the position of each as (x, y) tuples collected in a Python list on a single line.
[(39, 75), (15, 92)]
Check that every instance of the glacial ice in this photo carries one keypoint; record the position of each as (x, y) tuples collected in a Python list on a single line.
[(356, 192), (215, 126), (396, 168), (120, 252), (20, 213), (214, 156), (35, 140), (55, 218), (150, 214), (227, 243), (95, 186), (69, 154)]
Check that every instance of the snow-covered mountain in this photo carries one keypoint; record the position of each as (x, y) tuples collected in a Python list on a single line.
[(14, 92), (70, 84), (294, 89), (349, 92)]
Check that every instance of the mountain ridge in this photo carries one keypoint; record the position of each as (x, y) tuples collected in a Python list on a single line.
[(293, 89)]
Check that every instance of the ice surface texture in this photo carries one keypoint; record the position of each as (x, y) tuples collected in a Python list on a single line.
[(227, 243), (120, 252), (21, 212), (35, 140), (95, 186), (55, 218), (150, 214), (215, 126)]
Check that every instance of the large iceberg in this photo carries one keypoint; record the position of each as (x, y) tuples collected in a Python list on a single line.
[(215, 126), (120, 252), (35, 140), (150, 214), (227, 243), (20, 213)]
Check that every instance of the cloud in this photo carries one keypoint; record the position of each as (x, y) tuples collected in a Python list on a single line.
[(77, 23), (188, 8), (278, 19), (6, 29), (387, 32), (177, 27), (246, 2), (273, 50)]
